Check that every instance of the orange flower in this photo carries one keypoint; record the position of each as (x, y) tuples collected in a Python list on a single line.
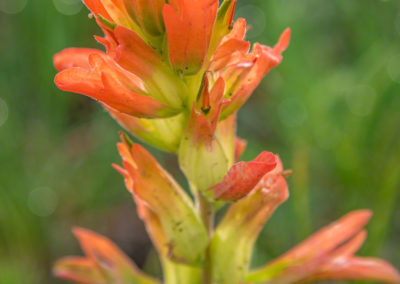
[(328, 255), (157, 54), (246, 71)]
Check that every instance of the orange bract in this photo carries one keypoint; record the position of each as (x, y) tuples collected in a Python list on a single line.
[(329, 254)]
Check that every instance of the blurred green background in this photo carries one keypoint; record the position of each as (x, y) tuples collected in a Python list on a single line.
[(331, 110)]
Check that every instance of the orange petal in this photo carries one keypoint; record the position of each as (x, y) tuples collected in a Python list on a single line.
[(118, 13), (242, 177), (108, 83), (110, 259), (240, 146), (79, 269), (351, 246), (334, 242), (189, 25), (250, 71), (74, 57), (97, 7), (330, 237), (109, 41), (231, 48), (134, 54), (153, 227), (358, 268)]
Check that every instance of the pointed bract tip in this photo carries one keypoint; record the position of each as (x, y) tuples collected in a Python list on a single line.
[(81, 233), (363, 215), (283, 41)]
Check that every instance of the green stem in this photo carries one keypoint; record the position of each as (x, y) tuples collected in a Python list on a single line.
[(207, 215)]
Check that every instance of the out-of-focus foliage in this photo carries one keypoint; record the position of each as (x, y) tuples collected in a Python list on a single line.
[(331, 110)]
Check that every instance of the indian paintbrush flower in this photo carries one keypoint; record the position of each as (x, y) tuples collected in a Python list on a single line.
[(174, 74), (157, 56)]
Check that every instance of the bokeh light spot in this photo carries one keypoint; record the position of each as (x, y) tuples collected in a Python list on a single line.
[(12, 6), (42, 201), (68, 7), (361, 100), (292, 113), (3, 111), (255, 18), (393, 68)]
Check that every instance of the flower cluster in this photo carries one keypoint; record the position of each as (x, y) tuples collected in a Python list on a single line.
[(174, 75)]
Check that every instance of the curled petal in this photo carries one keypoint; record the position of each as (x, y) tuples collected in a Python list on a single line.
[(234, 238), (232, 47), (109, 41), (108, 83), (74, 57), (242, 177), (189, 25)]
